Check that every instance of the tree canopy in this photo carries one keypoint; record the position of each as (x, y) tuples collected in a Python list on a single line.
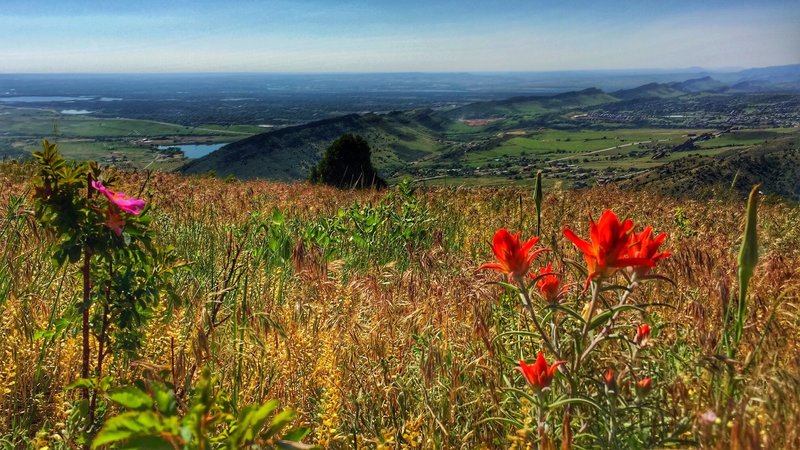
[(346, 164)]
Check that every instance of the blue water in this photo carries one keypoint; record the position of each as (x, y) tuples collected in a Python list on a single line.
[(194, 151), (42, 98)]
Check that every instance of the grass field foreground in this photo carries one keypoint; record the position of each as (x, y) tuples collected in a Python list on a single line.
[(363, 312)]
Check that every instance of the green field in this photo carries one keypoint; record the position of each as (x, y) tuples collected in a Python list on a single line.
[(117, 141)]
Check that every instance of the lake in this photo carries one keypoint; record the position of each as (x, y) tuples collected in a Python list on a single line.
[(194, 151), (42, 98)]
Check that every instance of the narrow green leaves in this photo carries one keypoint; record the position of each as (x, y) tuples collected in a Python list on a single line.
[(537, 199)]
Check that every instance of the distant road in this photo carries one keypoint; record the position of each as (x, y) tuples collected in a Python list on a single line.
[(594, 152), (213, 130)]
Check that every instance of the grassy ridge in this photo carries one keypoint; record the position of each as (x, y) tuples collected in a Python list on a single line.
[(773, 164)]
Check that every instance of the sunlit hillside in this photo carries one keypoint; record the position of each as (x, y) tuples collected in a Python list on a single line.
[(364, 312)]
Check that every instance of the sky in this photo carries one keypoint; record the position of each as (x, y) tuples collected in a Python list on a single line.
[(145, 36)]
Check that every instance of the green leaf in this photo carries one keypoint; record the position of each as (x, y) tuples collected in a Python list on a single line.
[(148, 442), (297, 434), (606, 315), (250, 422), (131, 398), (165, 399), (293, 445), (569, 401), (280, 421), (537, 200), (81, 383), (505, 285), (128, 425)]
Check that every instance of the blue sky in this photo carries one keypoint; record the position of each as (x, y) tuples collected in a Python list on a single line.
[(393, 36)]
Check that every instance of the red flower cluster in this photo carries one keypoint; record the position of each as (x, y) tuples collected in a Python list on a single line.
[(514, 258), (613, 245)]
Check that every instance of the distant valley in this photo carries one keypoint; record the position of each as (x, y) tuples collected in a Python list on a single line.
[(456, 129)]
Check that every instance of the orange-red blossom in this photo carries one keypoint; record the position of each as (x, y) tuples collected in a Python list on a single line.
[(610, 378), (539, 375), (644, 246), (549, 284), (644, 386), (642, 333), (514, 258), (608, 248)]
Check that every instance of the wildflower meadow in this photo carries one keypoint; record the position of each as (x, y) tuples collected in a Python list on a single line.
[(152, 310)]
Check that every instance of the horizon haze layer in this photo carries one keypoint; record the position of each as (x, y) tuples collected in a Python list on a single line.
[(314, 36)]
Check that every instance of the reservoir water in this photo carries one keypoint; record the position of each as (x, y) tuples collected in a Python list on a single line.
[(193, 151), (42, 98)]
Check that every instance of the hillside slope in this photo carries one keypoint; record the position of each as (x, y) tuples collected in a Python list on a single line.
[(531, 105), (497, 137), (774, 164), (288, 154)]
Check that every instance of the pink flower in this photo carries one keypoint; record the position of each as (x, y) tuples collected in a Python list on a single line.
[(128, 204)]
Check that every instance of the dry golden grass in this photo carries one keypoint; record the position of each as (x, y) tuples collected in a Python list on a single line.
[(394, 354)]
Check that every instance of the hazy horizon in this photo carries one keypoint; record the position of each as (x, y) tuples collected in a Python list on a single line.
[(621, 71), (410, 36)]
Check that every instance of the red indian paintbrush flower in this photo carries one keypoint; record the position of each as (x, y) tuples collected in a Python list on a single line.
[(128, 204), (608, 249), (539, 375), (644, 386), (645, 247), (642, 333), (610, 378), (549, 284), (513, 257)]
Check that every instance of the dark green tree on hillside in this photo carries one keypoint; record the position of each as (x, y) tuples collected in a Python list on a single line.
[(346, 164)]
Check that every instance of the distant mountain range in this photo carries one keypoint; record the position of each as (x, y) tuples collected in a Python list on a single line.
[(404, 138)]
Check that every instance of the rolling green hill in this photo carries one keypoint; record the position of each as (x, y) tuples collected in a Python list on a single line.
[(530, 105), (396, 140), (775, 164), (704, 84), (650, 90)]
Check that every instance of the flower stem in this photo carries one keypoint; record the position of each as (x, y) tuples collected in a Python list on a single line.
[(606, 329), (540, 419), (526, 300)]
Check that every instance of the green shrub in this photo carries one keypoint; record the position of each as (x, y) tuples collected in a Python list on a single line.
[(346, 164)]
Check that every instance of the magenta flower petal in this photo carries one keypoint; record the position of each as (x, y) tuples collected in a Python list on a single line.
[(130, 205)]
